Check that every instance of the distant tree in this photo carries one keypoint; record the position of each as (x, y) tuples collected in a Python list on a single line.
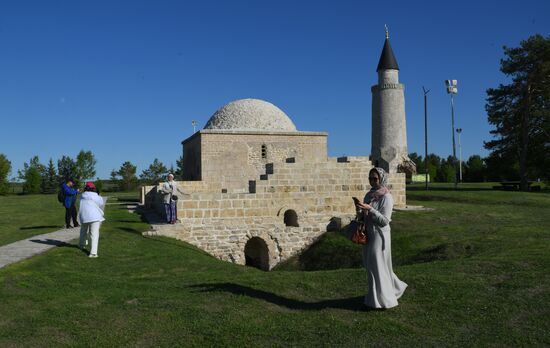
[(520, 110), (179, 169), (5, 170), (32, 174), (127, 172), (66, 168), (434, 166), (114, 175), (446, 172), (85, 165), (155, 173), (418, 161), (475, 169), (99, 184), (50, 180), (172, 170), (33, 180)]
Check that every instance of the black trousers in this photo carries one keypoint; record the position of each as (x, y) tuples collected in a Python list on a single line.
[(70, 213)]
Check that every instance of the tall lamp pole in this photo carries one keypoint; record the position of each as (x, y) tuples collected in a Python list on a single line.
[(458, 131), (194, 124), (426, 133), (452, 89)]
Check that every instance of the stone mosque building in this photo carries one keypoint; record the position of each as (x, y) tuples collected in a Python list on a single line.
[(257, 191)]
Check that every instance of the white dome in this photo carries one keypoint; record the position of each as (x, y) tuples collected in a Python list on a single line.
[(251, 115)]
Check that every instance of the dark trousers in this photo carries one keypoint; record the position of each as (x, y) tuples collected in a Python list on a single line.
[(70, 213)]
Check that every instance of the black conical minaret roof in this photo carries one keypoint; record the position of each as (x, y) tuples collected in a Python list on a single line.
[(387, 59)]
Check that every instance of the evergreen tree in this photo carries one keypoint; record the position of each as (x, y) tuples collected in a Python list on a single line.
[(179, 169), (434, 166), (446, 172), (127, 172), (474, 169), (418, 161), (5, 170), (155, 173), (66, 168), (50, 181), (520, 110)]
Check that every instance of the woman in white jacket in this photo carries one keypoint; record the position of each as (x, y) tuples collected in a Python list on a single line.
[(91, 216)]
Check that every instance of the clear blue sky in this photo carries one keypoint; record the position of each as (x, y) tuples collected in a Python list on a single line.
[(125, 79)]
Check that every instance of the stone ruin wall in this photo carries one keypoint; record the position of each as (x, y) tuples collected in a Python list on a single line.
[(222, 223)]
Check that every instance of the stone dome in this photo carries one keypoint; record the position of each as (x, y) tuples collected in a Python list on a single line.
[(251, 115)]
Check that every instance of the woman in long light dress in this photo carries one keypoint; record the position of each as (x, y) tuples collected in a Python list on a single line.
[(384, 286)]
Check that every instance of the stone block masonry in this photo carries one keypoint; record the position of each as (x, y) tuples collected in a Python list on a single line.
[(285, 209)]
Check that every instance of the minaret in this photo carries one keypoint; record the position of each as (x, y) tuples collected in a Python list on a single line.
[(389, 130)]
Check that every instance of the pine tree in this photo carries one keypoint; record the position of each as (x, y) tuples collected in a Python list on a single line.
[(179, 169), (50, 181), (520, 110), (155, 173), (127, 172), (66, 168)]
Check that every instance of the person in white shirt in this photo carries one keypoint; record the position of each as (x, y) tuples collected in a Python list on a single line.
[(169, 190), (91, 216)]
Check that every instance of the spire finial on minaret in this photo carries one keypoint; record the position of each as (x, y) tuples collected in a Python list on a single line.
[(387, 31)]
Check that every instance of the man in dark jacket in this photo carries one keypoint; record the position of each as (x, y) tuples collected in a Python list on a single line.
[(70, 203)]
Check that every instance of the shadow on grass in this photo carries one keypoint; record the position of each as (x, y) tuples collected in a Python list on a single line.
[(128, 199), (54, 242), (130, 230), (39, 227), (351, 303)]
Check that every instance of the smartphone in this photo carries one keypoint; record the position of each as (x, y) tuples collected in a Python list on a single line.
[(356, 200)]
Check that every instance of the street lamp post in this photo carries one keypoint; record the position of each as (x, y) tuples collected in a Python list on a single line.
[(452, 89), (194, 124), (426, 134), (458, 131)]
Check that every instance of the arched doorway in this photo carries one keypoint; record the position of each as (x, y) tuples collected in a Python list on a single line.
[(291, 218), (256, 253)]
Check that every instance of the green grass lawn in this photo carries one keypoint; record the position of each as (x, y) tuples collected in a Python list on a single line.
[(477, 268), (24, 216)]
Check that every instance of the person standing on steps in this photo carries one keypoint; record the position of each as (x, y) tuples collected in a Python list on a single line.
[(169, 190), (91, 216), (69, 203)]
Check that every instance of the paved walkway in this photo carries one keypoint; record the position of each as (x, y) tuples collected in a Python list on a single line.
[(24, 249)]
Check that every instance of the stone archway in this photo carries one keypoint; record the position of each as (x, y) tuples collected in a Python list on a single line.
[(256, 253)]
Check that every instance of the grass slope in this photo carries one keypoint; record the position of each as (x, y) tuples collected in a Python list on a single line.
[(477, 269)]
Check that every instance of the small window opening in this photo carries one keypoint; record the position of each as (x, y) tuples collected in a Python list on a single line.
[(264, 151), (291, 218)]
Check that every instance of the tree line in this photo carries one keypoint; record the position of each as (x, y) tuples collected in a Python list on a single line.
[(474, 169), (37, 177)]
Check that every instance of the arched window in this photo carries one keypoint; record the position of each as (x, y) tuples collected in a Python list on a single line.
[(264, 151), (256, 253), (291, 218)]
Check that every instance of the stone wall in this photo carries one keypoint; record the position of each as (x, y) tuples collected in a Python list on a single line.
[(232, 158), (222, 223)]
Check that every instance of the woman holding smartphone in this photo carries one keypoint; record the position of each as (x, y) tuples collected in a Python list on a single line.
[(384, 286)]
